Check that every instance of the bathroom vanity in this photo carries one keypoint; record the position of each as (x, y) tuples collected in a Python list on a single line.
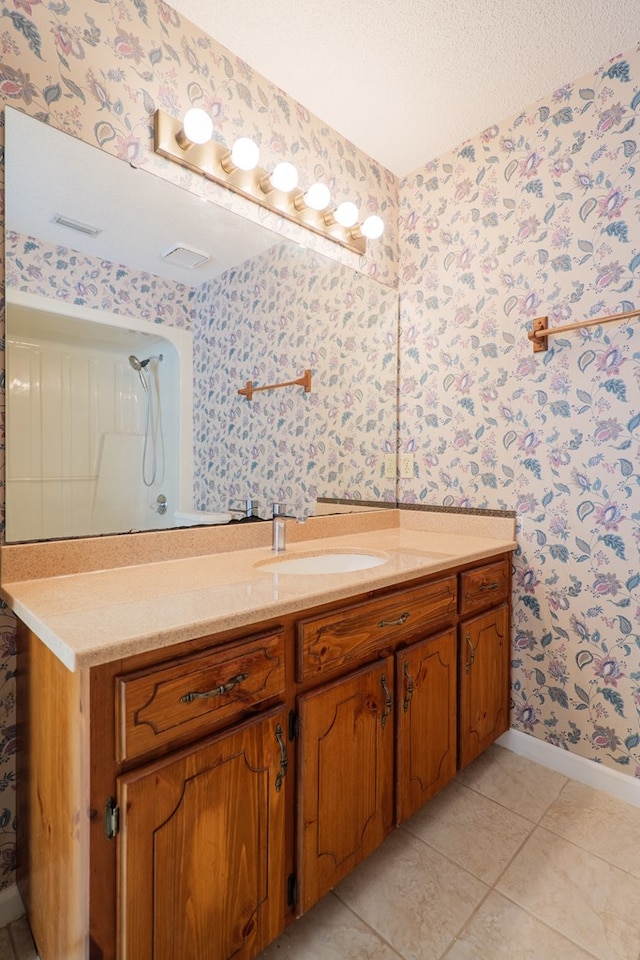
[(188, 791)]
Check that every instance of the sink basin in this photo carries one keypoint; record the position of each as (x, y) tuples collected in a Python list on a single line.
[(322, 563)]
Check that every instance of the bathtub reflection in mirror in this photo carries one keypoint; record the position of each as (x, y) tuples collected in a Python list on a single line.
[(96, 446)]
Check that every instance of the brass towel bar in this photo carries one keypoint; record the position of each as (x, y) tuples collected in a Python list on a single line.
[(305, 381), (540, 332)]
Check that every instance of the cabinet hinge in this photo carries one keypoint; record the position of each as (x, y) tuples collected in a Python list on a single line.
[(111, 818), (292, 890), (294, 725)]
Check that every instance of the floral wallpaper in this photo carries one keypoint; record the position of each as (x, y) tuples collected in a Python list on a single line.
[(269, 320), (540, 215), (34, 266), (98, 69)]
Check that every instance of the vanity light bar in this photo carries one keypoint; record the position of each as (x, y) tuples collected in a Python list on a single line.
[(211, 159)]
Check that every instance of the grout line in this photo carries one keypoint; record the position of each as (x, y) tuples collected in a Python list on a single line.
[(545, 923), (466, 922), (562, 836), (492, 888), (506, 806), (373, 930), (540, 919)]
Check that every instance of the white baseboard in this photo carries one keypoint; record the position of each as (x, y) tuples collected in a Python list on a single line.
[(10, 905), (595, 775)]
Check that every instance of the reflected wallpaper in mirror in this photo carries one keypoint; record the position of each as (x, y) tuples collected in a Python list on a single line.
[(261, 308)]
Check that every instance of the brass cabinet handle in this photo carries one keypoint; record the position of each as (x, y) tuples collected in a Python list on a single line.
[(395, 623), (388, 703), (472, 652), (489, 586), (217, 691), (409, 686), (284, 760)]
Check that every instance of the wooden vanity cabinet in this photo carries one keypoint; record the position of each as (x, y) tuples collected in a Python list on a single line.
[(201, 858), (378, 740), (190, 801), (426, 699), (201, 843), (483, 659), (153, 800), (345, 777)]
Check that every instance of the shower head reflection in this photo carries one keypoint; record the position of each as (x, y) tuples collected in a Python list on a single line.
[(139, 366)]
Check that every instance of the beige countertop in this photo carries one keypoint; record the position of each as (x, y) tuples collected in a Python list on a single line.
[(88, 618)]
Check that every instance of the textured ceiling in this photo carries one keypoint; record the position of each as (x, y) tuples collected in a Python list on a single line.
[(407, 80)]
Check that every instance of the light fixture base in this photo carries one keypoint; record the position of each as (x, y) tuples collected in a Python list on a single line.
[(207, 160)]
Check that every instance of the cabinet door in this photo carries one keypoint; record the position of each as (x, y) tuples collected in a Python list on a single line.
[(426, 721), (345, 789), (201, 856), (484, 681)]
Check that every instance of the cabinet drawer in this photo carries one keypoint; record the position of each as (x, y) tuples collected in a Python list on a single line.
[(192, 696), (484, 587), (351, 634)]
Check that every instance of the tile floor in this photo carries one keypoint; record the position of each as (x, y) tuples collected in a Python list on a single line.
[(510, 861)]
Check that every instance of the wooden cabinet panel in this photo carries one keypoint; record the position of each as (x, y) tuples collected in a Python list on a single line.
[(353, 633), (345, 777), (486, 586), (191, 696), (201, 848), (484, 682), (211, 827), (426, 698)]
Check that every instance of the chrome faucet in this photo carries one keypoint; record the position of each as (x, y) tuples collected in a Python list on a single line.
[(279, 529), (245, 508)]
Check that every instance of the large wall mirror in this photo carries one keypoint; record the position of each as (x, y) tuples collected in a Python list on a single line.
[(135, 312)]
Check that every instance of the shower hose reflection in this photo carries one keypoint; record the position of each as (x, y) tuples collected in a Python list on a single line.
[(153, 449)]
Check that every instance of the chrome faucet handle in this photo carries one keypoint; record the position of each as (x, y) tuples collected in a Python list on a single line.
[(281, 509), (289, 511), (246, 508)]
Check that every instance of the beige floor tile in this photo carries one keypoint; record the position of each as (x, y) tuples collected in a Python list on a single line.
[(330, 931), (500, 930), (22, 940), (412, 895), (599, 823), (588, 900), (475, 832), (6, 950), (514, 781)]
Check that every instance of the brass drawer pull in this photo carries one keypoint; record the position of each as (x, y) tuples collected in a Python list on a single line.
[(220, 691), (489, 586), (409, 686), (284, 760), (395, 623), (472, 652), (388, 704)]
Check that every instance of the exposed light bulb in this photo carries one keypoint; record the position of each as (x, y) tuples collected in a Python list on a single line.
[(346, 214), (372, 227), (197, 126), (318, 196), (245, 154), (284, 177)]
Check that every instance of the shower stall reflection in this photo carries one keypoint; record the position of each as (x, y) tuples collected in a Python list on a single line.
[(102, 451)]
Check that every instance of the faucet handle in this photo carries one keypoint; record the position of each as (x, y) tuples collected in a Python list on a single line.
[(289, 511), (247, 508)]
